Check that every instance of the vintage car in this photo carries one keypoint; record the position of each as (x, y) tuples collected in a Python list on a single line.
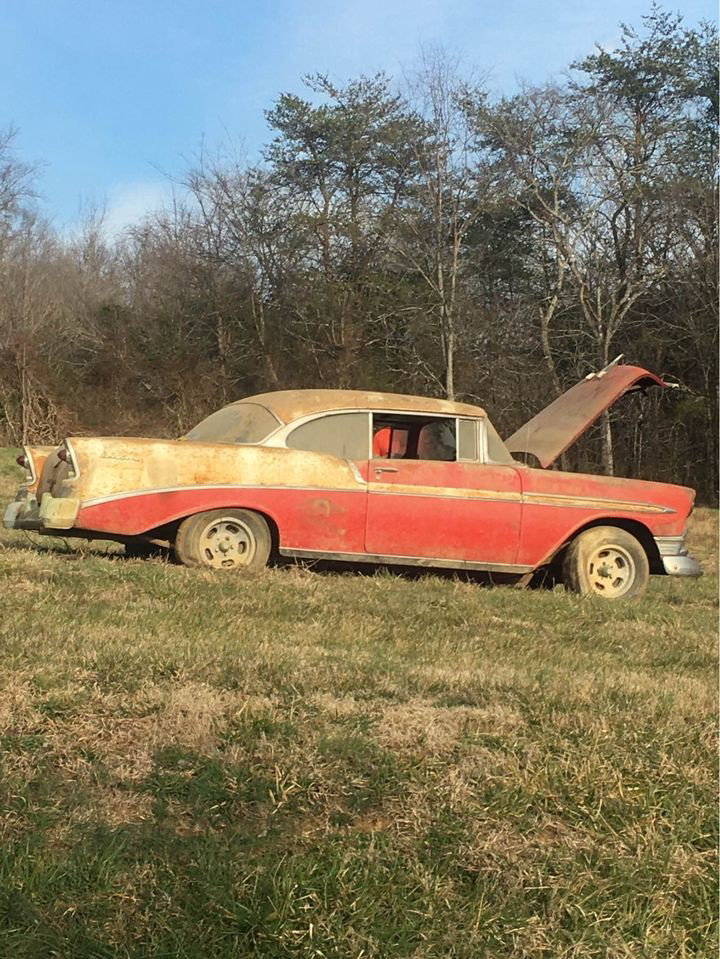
[(368, 477)]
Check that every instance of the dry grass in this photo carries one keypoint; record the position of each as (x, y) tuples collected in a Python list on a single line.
[(335, 765)]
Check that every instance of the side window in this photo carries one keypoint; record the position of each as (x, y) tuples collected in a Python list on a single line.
[(340, 434), (399, 436)]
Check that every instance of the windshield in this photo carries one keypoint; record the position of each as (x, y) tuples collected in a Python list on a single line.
[(497, 450), (240, 423)]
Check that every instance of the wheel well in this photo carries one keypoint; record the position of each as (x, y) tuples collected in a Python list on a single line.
[(641, 533), (168, 531)]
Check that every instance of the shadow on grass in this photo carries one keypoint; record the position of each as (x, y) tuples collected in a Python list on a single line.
[(70, 549), (77, 548), (65, 547), (331, 568)]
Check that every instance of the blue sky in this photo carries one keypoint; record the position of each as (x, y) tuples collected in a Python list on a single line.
[(110, 95)]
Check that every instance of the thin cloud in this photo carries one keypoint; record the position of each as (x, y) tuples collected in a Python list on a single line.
[(129, 204)]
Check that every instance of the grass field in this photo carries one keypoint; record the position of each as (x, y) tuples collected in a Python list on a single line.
[(315, 764)]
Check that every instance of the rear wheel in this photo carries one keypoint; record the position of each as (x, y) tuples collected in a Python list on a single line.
[(224, 539), (608, 562)]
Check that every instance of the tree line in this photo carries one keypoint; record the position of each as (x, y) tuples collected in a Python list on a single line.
[(419, 236)]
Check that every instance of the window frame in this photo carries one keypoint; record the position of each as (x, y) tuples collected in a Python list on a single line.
[(477, 420), (478, 458), (280, 436)]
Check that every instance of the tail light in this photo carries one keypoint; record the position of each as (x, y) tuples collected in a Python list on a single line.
[(25, 460), (65, 455)]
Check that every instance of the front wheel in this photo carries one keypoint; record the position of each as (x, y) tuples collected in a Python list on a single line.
[(608, 562), (224, 539)]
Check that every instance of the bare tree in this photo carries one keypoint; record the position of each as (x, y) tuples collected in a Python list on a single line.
[(17, 180), (30, 309), (587, 189), (449, 193)]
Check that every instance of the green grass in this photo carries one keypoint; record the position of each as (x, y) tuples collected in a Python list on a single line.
[(314, 764)]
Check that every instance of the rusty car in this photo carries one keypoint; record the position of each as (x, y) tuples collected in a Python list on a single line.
[(369, 477)]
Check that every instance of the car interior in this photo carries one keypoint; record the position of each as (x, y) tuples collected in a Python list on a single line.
[(414, 438)]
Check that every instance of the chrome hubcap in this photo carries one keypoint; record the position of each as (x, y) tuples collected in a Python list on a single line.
[(611, 571), (226, 543)]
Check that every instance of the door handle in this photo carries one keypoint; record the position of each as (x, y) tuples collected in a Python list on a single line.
[(386, 469)]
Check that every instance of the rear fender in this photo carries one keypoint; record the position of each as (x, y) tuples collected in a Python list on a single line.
[(139, 514)]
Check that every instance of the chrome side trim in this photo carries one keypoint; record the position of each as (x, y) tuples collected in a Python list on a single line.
[(356, 473), (405, 560), (401, 489), (567, 500), (99, 500), (444, 492)]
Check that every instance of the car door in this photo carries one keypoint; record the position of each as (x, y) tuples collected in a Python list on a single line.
[(329, 516), (453, 507)]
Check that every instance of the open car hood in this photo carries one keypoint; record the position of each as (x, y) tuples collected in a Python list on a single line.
[(551, 431)]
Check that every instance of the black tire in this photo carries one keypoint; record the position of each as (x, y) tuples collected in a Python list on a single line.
[(224, 539), (608, 562)]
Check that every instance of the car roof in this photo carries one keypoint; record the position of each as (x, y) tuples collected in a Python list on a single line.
[(290, 405)]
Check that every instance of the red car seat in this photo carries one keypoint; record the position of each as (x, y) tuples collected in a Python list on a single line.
[(381, 443)]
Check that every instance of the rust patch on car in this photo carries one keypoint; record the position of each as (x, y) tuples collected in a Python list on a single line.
[(136, 465), (325, 507)]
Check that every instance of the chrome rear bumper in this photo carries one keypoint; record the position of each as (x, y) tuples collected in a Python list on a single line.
[(21, 514), (53, 513)]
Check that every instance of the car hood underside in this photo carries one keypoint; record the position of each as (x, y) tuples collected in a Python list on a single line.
[(551, 431)]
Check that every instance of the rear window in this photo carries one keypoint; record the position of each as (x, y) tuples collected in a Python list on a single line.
[(240, 423)]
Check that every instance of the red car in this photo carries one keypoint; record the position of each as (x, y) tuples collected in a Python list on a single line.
[(372, 478)]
